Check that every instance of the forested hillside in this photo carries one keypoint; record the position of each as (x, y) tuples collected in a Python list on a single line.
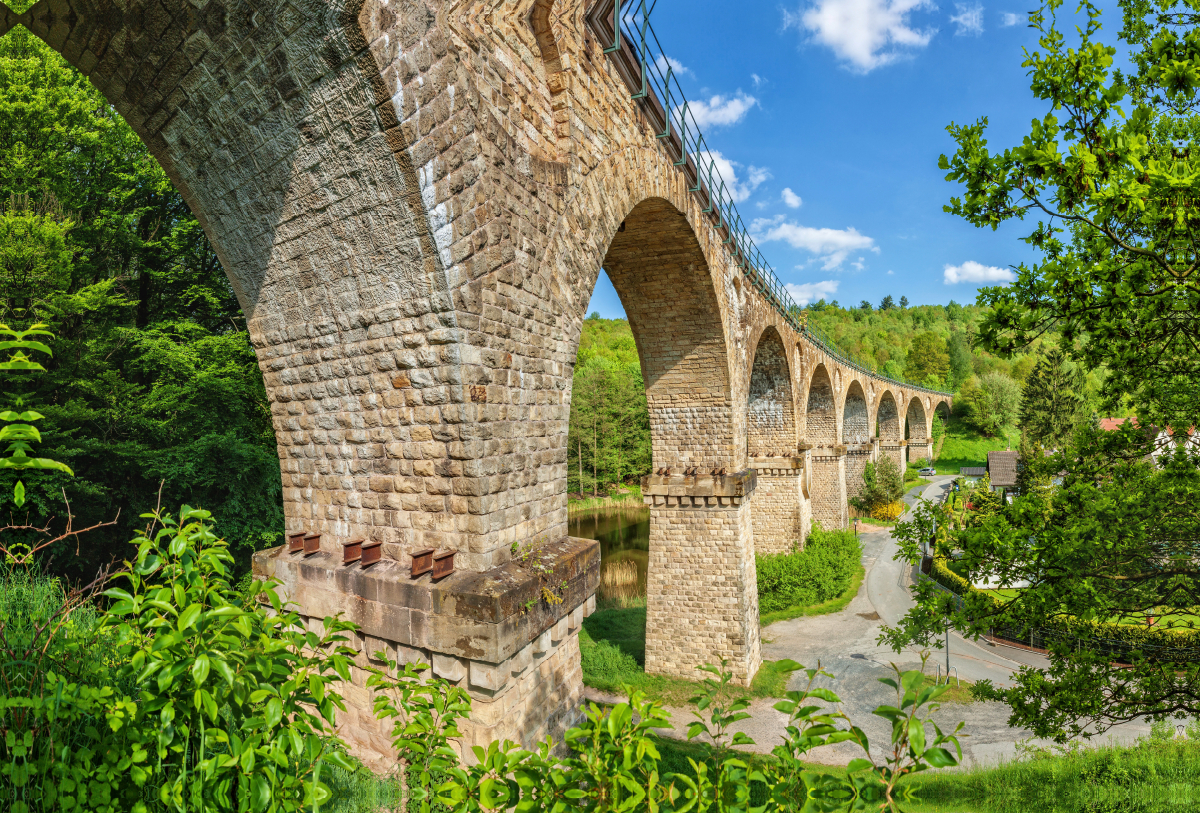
[(932, 344), (609, 438), (153, 379)]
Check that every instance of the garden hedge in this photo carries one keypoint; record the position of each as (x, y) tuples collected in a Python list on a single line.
[(819, 572)]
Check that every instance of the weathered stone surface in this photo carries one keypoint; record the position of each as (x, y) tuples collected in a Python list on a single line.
[(413, 200)]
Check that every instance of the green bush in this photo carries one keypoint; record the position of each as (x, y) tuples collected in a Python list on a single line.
[(818, 573)]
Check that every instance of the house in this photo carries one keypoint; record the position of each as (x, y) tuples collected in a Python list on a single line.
[(969, 475), (1164, 439), (1002, 471)]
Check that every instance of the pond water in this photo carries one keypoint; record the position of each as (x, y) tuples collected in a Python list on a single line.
[(624, 536)]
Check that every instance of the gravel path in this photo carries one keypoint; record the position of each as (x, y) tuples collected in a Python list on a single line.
[(844, 644)]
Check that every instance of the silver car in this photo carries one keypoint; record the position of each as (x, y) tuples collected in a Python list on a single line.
[(929, 471)]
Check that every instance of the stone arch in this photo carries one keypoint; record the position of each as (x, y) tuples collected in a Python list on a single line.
[(887, 417), (541, 21), (770, 412), (633, 216), (856, 425), (820, 413), (916, 429)]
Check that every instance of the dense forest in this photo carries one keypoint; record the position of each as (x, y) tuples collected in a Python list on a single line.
[(153, 384)]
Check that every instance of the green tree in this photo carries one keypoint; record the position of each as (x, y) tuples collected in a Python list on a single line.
[(883, 484), (927, 358), (904, 302), (887, 303), (959, 351), (1052, 401), (994, 402), (153, 380), (864, 305), (1111, 172)]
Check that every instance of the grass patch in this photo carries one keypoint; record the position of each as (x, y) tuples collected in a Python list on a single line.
[(965, 446), (618, 502), (1149, 776), (833, 605), (612, 646), (958, 693)]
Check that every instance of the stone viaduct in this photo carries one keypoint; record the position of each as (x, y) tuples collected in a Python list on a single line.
[(413, 200)]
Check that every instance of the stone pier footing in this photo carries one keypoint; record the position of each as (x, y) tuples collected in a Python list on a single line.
[(702, 593), (829, 487), (782, 514), (492, 633)]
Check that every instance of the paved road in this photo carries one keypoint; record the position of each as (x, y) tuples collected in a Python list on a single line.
[(845, 645)]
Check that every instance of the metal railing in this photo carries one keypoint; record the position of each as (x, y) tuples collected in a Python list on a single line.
[(643, 64)]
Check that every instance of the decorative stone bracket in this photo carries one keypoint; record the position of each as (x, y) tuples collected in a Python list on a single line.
[(777, 466), (700, 490)]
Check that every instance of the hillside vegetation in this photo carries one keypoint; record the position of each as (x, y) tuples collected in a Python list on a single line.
[(609, 439)]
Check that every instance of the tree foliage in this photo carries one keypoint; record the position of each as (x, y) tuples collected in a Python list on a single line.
[(883, 484), (1052, 401), (993, 402), (608, 440), (1111, 171), (153, 379)]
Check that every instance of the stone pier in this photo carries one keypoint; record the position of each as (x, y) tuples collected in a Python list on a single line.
[(702, 592), (782, 513), (829, 487), (492, 633)]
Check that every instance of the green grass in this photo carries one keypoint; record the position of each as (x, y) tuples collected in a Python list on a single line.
[(965, 446), (630, 501), (834, 605), (1149, 776), (612, 644)]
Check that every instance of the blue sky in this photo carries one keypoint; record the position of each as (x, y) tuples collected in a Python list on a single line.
[(831, 115)]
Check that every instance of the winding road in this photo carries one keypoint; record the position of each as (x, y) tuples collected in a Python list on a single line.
[(844, 643)]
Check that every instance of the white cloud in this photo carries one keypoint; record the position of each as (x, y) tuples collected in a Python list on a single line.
[(758, 80), (890, 272), (812, 291), (867, 34), (1008, 19), (735, 187), (971, 271), (790, 198), (722, 110), (832, 246), (969, 19), (663, 62)]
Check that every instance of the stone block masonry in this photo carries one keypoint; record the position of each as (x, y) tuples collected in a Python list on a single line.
[(780, 506), (829, 505), (490, 633), (702, 590), (856, 463)]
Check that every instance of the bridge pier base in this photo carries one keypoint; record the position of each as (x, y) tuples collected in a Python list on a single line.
[(893, 449), (702, 590), (782, 514), (920, 448), (829, 487), (857, 458), (490, 633)]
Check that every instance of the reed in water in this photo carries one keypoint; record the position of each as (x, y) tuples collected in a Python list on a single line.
[(621, 503), (619, 584)]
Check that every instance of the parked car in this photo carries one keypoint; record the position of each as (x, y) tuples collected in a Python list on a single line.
[(928, 471)]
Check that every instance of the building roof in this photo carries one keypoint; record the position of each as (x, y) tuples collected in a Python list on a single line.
[(1002, 468), (973, 471), (1110, 424)]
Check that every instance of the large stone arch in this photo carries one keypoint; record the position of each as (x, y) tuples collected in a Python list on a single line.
[(633, 217), (856, 436), (770, 412), (891, 433), (856, 423), (917, 428), (820, 412)]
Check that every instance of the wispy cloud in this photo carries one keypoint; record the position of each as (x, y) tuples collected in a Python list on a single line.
[(866, 34), (790, 198), (807, 292), (1008, 19), (971, 271), (831, 246), (737, 188), (663, 62), (721, 110), (969, 19), (758, 80)]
